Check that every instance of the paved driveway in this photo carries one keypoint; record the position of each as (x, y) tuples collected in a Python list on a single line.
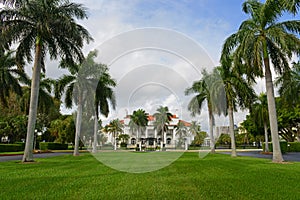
[(41, 155), (290, 156)]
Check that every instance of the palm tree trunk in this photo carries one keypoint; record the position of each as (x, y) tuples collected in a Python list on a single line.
[(115, 142), (95, 134), (211, 131), (78, 127), (266, 137), (231, 131), (35, 85), (277, 155)]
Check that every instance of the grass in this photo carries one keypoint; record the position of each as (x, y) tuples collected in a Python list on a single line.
[(214, 177)]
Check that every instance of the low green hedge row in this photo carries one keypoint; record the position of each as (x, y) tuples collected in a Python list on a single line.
[(286, 146), (53, 146), (294, 147), (11, 147)]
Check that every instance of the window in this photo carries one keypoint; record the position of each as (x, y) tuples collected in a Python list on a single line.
[(169, 141), (133, 141)]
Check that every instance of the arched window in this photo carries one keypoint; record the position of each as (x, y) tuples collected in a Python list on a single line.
[(168, 140), (133, 141), (159, 140)]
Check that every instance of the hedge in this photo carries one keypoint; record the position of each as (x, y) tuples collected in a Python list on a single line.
[(11, 147), (283, 146), (22, 145), (53, 146), (294, 147)]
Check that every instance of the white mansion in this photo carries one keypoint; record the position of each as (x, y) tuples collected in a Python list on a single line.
[(150, 138)]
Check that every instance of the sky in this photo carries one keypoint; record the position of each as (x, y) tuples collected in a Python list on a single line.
[(155, 49), (148, 78)]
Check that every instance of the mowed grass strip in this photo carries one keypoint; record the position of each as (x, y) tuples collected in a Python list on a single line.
[(213, 177)]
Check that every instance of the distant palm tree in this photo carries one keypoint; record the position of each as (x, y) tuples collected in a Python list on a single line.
[(260, 113), (194, 128), (42, 26), (115, 127), (259, 40), (289, 84), (46, 101), (181, 132), (138, 122), (9, 76), (162, 120), (209, 89)]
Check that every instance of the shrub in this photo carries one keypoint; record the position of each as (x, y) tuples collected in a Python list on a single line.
[(10, 147), (22, 145), (123, 144), (294, 147), (283, 146), (53, 146)]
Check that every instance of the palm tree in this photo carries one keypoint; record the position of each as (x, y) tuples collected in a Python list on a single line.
[(181, 131), (259, 40), (43, 26), (238, 92), (260, 113), (9, 76), (194, 128), (45, 100), (138, 122), (207, 89), (115, 127), (78, 86), (104, 96), (289, 84), (162, 120)]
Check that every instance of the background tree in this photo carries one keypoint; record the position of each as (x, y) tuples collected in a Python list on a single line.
[(80, 88), (43, 26), (238, 93), (138, 122), (259, 40), (181, 132), (162, 120), (206, 91), (9, 76), (260, 114), (115, 127)]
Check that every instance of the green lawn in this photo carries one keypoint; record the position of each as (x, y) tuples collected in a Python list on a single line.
[(214, 177)]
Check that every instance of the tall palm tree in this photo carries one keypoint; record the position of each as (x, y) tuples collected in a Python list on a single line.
[(115, 127), (162, 120), (43, 26), (9, 76), (238, 93), (261, 39), (138, 122), (207, 89), (260, 112), (104, 96), (79, 87)]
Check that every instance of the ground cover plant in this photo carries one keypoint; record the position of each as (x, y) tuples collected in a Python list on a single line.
[(213, 177)]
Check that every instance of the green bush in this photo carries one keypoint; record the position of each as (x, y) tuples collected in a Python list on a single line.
[(123, 144), (294, 147), (53, 146), (10, 147), (283, 146), (22, 145)]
